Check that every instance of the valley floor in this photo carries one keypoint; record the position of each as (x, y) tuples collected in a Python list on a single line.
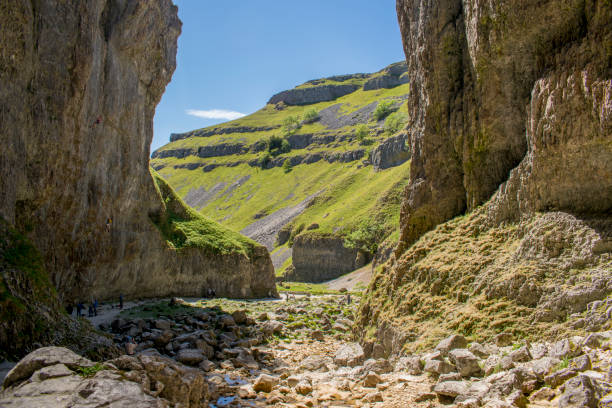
[(298, 352)]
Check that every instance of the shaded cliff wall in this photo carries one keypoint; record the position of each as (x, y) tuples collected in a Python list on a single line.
[(475, 68), (80, 82)]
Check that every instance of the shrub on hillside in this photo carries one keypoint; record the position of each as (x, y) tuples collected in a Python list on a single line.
[(311, 116), (264, 160), (365, 237), (278, 145), (384, 109), (362, 134), (395, 122), (287, 166), (291, 124)]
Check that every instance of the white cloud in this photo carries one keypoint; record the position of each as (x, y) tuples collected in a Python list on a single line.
[(215, 114)]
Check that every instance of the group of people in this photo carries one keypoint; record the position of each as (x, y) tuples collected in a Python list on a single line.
[(92, 309)]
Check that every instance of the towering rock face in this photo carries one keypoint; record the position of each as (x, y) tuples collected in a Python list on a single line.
[(511, 121), (495, 83), (80, 82)]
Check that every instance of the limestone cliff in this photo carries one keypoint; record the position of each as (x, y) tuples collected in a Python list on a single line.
[(511, 102), (80, 82)]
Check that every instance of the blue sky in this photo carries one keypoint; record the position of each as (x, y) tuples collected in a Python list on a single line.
[(234, 55)]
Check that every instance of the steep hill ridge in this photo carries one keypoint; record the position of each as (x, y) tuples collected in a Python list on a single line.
[(511, 107), (79, 88), (319, 164)]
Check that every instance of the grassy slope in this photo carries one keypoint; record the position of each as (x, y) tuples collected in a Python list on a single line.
[(462, 278), (351, 192), (185, 228)]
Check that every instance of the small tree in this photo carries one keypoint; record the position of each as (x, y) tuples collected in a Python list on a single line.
[(287, 166), (291, 124), (395, 123), (384, 109), (278, 145), (264, 160), (311, 116)]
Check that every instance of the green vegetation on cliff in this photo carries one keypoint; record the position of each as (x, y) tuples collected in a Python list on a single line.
[(183, 227)]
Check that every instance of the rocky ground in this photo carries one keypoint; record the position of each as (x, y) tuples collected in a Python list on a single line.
[(299, 353)]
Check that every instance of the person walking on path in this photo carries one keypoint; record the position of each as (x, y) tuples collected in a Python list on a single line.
[(121, 301), (95, 307), (79, 308)]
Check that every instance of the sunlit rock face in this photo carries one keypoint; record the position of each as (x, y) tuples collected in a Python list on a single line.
[(80, 83)]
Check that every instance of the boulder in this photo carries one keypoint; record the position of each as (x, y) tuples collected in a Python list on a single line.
[(371, 380), (240, 316), (316, 362), (350, 354), (438, 367), (163, 324), (265, 383), (503, 339), (451, 388), (44, 357), (272, 327), (303, 387), (580, 392), (450, 343), (412, 365), (191, 357), (466, 362)]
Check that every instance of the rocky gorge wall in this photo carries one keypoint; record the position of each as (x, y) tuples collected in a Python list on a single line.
[(80, 83), (510, 103)]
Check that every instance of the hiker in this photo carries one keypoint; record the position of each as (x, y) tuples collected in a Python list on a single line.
[(79, 307), (109, 223), (98, 120), (95, 307), (348, 298), (90, 312), (213, 293), (121, 301), (130, 346), (69, 309)]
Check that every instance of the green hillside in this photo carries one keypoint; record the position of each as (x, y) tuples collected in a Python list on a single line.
[(333, 158)]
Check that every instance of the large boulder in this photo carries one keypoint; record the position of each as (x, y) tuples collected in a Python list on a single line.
[(350, 354)]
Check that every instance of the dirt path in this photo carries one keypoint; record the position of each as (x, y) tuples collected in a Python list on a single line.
[(349, 281)]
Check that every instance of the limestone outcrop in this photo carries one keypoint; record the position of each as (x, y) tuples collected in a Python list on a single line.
[(79, 88), (318, 258), (499, 84), (510, 111), (314, 94)]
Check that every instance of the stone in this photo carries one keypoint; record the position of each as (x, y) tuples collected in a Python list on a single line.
[(543, 394), (317, 335), (438, 367), (503, 339), (303, 387), (516, 398), (44, 357), (521, 355), (449, 377), (379, 366), (265, 383), (350, 354), (564, 349), (316, 362), (543, 366), (373, 397), (467, 363), (559, 377), (371, 380), (450, 388), (54, 371), (450, 343), (226, 321), (378, 351), (272, 327), (163, 324), (162, 339), (206, 365), (412, 365), (240, 316), (581, 363), (478, 350), (579, 391), (191, 357)]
